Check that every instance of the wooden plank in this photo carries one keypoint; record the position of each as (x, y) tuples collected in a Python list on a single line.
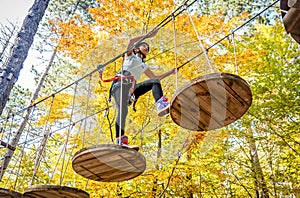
[(240, 90), (82, 155), (53, 191), (296, 37), (116, 177), (117, 163), (193, 109), (183, 121), (217, 103), (292, 21), (6, 193), (110, 175), (204, 100), (196, 93), (102, 168), (89, 158), (122, 156), (229, 103), (294, 3), (124, 165), (211, 101)]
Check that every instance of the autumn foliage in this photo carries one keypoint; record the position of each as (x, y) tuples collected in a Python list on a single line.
[(256, 155)]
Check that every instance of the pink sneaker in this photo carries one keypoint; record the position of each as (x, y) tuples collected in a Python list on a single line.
[(162, 106), (123, 141)]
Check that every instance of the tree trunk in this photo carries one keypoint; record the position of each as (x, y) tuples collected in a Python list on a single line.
[(260, 184), (18, 54)]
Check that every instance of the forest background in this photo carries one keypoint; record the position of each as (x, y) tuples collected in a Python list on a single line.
[(256, 156)]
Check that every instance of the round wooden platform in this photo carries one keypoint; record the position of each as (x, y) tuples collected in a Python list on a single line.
[(53, 191), (210, 102), (5, 193), (109, 163), (291, 17)]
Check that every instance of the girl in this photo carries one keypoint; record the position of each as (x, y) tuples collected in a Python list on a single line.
[(133, 67)]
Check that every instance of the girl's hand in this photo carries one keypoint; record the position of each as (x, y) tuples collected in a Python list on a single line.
[(174, 71)]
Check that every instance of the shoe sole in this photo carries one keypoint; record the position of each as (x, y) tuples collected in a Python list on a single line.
[(163, 112), (131, 147)]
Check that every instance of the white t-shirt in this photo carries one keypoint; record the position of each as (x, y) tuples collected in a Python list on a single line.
[(134, 65)]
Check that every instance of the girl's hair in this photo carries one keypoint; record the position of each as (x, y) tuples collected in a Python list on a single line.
[(142, 43)]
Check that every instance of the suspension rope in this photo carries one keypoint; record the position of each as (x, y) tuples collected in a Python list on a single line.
[(200, 42), (43, 143), (22, 150), (21, 160), (56, 165), (164, 22), (121, 110), (86, 110), (64, 155), (101, 125), (69, 159), (82, 119), (71, 127), (236, 29), (175, 49)]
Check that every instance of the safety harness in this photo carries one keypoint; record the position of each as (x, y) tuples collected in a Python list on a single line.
[(124, 77)]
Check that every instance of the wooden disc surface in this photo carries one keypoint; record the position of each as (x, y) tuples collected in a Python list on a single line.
[(210, 102), (53, 191), (291, 18), (5, 193), (108, 163)]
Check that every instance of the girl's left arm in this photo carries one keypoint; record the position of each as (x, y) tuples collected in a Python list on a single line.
[(150, 74)]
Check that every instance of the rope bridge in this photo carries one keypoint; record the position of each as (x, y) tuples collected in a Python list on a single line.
[(74, 129)]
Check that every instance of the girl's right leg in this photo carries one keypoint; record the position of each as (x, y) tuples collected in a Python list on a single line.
[(121, 102)]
